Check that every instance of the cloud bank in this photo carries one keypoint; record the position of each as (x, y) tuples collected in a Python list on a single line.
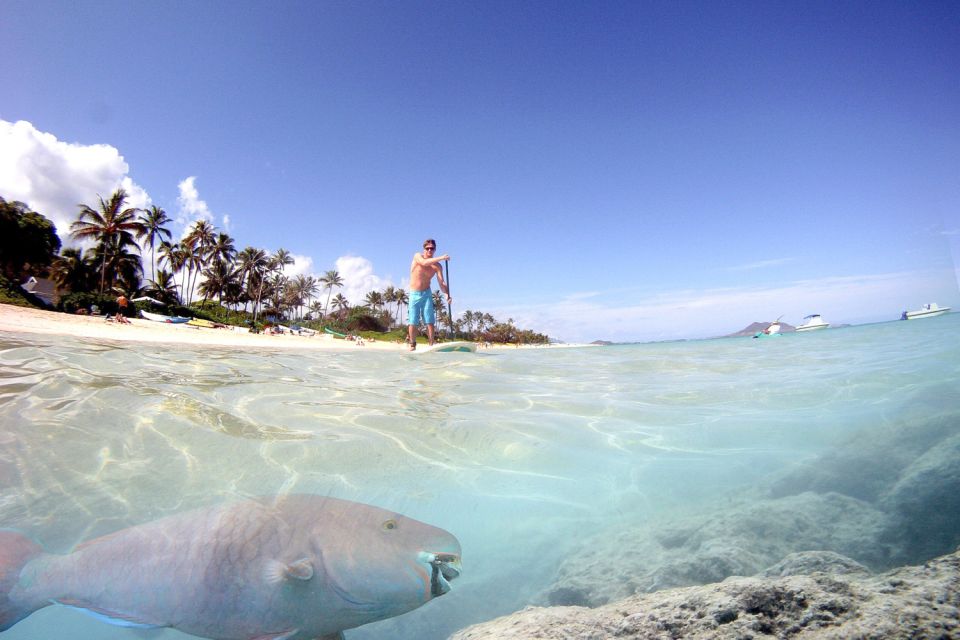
[(715, 312), (359, 278), (54, 177)]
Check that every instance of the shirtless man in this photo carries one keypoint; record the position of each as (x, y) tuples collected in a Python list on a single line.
[(422, 270)]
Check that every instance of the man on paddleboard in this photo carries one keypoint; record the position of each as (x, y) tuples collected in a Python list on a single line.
[(420, 308)]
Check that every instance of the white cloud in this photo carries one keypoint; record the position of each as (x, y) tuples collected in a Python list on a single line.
[(302, 266), (54, 177), (192, 208), (358, 278)]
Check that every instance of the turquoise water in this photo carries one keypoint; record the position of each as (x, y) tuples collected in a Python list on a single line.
[(520, 454)]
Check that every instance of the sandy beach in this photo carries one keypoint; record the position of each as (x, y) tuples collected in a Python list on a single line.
[(21, 320)]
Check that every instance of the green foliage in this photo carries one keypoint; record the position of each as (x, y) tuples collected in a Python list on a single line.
[(215, 312), (28, 241), (85, 299), (363, 319)]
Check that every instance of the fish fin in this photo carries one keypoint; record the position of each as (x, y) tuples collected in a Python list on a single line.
[(277, 572), (16, 550), (94, 541), (110, 617)]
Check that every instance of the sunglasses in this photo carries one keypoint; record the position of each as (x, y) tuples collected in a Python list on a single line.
[(429, 248)]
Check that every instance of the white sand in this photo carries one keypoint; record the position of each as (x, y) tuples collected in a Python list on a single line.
[(22, 320)]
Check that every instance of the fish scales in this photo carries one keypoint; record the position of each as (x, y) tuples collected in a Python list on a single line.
[(307, 566)]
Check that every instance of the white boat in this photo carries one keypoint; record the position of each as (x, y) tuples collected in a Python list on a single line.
[(159, 317), (772, 331), (812, 322), (927, 311)]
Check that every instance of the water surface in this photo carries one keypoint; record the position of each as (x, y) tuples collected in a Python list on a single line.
[(520, 453)]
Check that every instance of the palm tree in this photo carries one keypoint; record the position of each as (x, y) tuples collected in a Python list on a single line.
[(441, 308), (374, 299), (274, 265), (175, 255), (220, 254), (340, 303), (126, 268), (306, 288), (389, 297), (192, 262), (163, 288), (200, 239), (401, 299), (316, 309), (153, 221), (253, 264), (217, 278), (281, 259), (112, 226), (330, 280), (469, 319), (277, 293), (72, 271), (223, 249), (484, 320)]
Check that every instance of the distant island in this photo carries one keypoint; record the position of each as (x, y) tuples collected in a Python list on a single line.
[(755, 327)]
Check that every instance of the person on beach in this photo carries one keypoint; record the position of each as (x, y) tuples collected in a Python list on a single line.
[(422, 269), (121, 309)]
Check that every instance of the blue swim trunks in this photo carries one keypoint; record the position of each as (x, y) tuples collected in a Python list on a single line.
[(421, 307)]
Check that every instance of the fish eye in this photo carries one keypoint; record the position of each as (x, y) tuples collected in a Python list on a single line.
[(390, 524)]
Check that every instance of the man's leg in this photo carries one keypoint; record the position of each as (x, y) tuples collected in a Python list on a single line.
[(430, 334), (412, 336)]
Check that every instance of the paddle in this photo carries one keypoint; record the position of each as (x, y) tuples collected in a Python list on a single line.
[(446, 266)]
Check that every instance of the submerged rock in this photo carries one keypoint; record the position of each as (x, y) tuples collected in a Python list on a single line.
[(871, 462), (924, 504), (919, 602), (807, 562), (887, 498), (736, 539)]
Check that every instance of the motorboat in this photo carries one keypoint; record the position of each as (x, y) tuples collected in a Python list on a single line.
[(812, 322), (927, 311)]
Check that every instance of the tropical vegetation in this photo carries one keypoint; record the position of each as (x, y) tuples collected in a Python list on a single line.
[(203, 274)]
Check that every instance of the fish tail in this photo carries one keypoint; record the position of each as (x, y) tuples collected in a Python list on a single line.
[(16, 550)]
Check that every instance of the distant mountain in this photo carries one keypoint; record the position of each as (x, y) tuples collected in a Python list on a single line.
[(602, 342), (755, 327)]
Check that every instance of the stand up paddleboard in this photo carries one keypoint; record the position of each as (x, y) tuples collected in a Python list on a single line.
[(447, 347)]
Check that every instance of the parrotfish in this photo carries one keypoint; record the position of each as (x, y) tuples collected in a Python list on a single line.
[(295, 567)]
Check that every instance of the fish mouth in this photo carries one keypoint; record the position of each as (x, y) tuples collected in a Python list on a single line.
[(443, 568)]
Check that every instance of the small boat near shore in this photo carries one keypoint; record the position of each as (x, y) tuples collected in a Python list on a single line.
[(927, 311), (812, 322), (159, 317), (772, 330)]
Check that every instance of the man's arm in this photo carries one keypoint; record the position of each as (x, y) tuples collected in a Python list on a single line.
[(426, 262), (440, 281)]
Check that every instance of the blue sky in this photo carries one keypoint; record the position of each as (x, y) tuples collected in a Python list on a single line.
[(597, 170)]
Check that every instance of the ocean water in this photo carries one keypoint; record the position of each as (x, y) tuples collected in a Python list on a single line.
[(521, 454)]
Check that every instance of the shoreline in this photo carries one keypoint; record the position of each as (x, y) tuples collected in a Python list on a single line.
[(29, 320)]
